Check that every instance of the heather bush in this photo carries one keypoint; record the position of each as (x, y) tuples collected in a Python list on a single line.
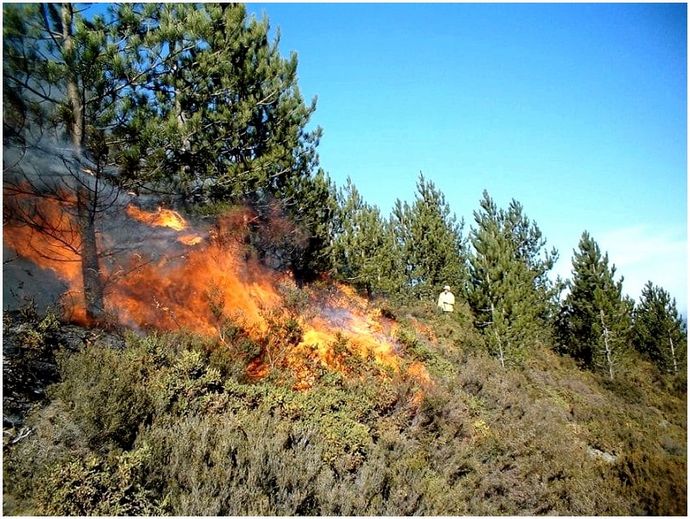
[(656, 483), (395, 479), (233, 464), (94, 485), (54, 440), (36, 334), (106, 394)]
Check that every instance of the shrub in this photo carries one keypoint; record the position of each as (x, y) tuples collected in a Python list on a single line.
[(54, 438), (185, 387), (162, 427), (240, 464), (95, 486), (656, 484), (106, 393)]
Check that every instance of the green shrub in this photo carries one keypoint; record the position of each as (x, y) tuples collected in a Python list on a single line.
[(95, 486), (54, 439), (241, 464), (187, 386), (656, 483), (106, 393), (33, 333)]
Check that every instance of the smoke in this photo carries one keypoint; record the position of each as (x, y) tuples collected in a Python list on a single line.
[(162, 271), (24, 283), (43, 187)]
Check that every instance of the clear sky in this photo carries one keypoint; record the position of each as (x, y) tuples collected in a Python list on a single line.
[(578, 111)]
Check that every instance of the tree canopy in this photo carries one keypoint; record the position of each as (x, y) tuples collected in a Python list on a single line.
[(509, 289), (430, 239), (365, 251), (660, 332)]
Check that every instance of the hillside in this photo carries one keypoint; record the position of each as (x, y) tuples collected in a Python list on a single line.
[(198, 321), (174, 424)]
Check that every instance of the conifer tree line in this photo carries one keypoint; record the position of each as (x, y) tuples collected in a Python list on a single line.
[(194, 102)]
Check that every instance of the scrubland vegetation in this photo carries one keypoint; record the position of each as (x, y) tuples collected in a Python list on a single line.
[(170, 425)]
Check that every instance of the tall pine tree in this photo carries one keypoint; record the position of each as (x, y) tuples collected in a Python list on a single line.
[(215, 110), (221, 118), (431, 241), (660, 332), (61, 102), (365, 251), (594, 323), (193, 101), (509, 291)]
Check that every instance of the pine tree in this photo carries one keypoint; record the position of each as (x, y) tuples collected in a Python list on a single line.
[(365, 251), (660, 332), (530, 246), (193, 101), (595, 319), (311, 203), (613, 328), (60, 92), (430, 237), (508, 290), (221, 116)]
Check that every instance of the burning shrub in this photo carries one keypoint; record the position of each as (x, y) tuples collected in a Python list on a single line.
[(295, 300), (166, 274)]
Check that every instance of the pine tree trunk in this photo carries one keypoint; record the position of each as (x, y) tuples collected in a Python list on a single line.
[(673, 355), (90, 268), (76, 127), (609, 360), (86, 196), (500, 352), (184, 152), (501, 357)]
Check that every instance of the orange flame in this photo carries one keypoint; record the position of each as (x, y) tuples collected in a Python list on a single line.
[(55, 246), (159, 218), (217, 280), (184, 293), (165, 218), (190, 239)]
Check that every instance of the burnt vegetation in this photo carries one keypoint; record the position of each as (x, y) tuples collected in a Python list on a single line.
[(522, 401)]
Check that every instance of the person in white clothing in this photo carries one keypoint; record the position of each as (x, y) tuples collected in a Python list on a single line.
[(446, 300)]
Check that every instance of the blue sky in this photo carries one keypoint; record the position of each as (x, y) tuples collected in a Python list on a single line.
[(576, 110)]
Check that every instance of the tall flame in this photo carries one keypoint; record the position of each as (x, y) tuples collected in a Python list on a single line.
[(196, 288)]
